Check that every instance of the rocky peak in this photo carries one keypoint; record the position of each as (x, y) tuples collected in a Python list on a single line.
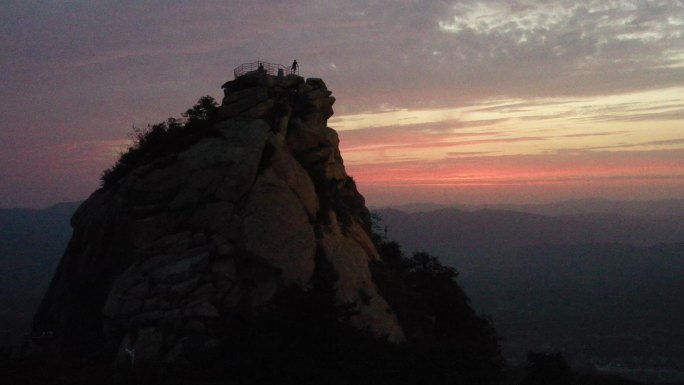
[(164, 258)]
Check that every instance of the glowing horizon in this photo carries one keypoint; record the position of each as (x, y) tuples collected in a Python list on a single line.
[(520, 143)]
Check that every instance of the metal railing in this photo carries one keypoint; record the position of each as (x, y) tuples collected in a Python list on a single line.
[(270, 68)]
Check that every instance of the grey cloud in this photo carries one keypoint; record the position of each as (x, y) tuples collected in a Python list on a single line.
[(369, 52), (434, 134), (631, 112), (607, 133), (550, 41), (657, 143), (563, 49), (664, 109), (548, 163), (628, 147), (463, 154)]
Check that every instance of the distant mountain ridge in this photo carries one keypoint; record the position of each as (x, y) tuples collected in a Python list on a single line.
[(463, 238), (604, 288), (657, 208)]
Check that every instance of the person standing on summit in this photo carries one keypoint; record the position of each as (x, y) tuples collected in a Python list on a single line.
[(294, 67)]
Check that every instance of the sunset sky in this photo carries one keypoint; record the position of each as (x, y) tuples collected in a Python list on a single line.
[(437, 101)]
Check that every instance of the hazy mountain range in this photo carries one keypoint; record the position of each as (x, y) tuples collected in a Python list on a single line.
[(667, 207), (465, 238), (602, 287), (599, 280)]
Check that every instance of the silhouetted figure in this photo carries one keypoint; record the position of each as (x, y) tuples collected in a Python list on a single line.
[(294, 67), (261, 66)]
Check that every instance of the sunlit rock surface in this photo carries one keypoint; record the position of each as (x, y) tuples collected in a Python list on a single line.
[(162, 259)]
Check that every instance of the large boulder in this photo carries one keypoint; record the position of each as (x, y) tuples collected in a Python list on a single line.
[(188, 241)]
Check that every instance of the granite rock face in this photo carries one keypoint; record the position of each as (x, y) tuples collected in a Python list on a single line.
[(176, 248)]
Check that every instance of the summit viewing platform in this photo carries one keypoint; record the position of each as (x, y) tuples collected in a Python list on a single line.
[(270, 68)]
